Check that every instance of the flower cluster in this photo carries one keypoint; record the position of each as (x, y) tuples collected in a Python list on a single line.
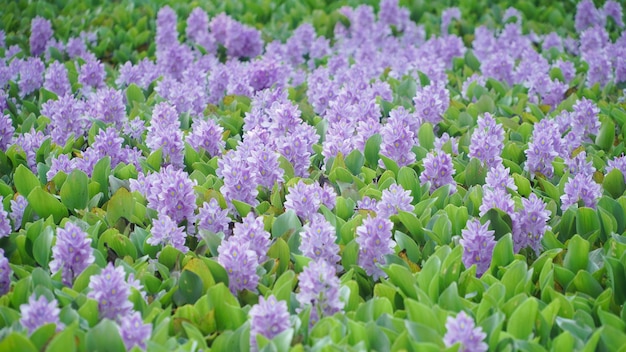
[(374, 240), (478, 243), (206, 135), (463, 331), (252, 230), (306, 199), (438, 170), (431, 102), (394, 199), (5, 225), (240, 261), (211, 217), (319, 288), (40, 34), (170, 192), (268, 318), (495, 190), (39, 312), (133, 331), (164, 133), (530, 224), (318, 241), (111, 291), (398, 137), (5, 274), (165, 231), (72, 253), (487, 141)]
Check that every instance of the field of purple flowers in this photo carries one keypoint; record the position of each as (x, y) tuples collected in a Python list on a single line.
[(312, 176)]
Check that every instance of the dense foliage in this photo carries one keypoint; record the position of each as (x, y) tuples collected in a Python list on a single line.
[(310, 175)]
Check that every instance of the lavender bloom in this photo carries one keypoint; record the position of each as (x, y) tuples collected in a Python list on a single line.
[(55, 79), (267, 165), (498, 66), (240, 182), (30, 142), (31, 75), (587, 16), (487, 141), (269, 318), (111, 291), (431, 102), (584, 118), (303, 199), (552, 40), (367, 203), (398, 138), (66, 118), (39, 312), (394, 200), (449, 14), (134, 128), (579, 165), (107, 105), (213, 218), (543, 148), (91, 74), (499, 177), (5, 225), (198, 29), (61, 163), (319, 288), (165, 231), (76, 47), (374, 240), (88, 161), (599, 68), (252, 230), (6, 132), (530, 224), (496, 197), (72, 253), (5, 274), (583, 188), (617, 163), (614, 10), (40, 34), (171, 193), (109, 143), (166, 32), (133, 331), (240, 261), (318, 241), (164, 132), (438, 170), (207, 135), (478, 243), (462, 330)]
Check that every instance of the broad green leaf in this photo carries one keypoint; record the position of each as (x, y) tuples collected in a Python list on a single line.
[(43, 247), (45, 205), (614, 183), (522, 322), (134, 94), (74, 192), (25, 180), (577, 256), (279, 251), (121, 205), (104, 337), (17, 342)]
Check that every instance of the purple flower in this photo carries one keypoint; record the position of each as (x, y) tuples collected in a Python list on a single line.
[(198, 27), (5, 225), (40, 34), (319, 288), (269, 318), (394, 199), (303, 199), (166, 32), (133, 331), (6, 132), (496, 198), (134, 128), (374, 240), (207, 135), (449, 14), (438, 170), (543, 148), (431, 102), (462, 330), (478, 243), (530, 224), (240, 180), (487, 141), (240, 261), (76, 47), (252, 230), (56, 80), (39, 312), (72, 253), (213, 218), (267, 166), (599, 68), (165, 231), (171, 192), (499, 177), (398, 138), (587, 16), (92, 74), (614, 10), (367, 203), (318, 241), (66, 118), (579, 165), (107, 105), (5, 274), (111, 291), (581, 188), (61, 163), (30, 142), (164, 132), (31, 75), (109, 143)]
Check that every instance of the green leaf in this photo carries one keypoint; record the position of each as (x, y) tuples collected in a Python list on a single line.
[(522, 321), (284, 286), (408, 244), (17, 342), (45, 205), (104, 337), (426, 136), (499, 221), (63, 342), (407, 178), (286, 224), (121, 205), (577, 256), (189, 288), (74, 192), (134, 94), (101, 172), (25, 180), (242, 208), (475, 173), (89, 311), (614, 183), (354, 162), (503, 252), (280, 252), (43, 335), (423, 333), (372, 148), (606, 135), (43, 246)]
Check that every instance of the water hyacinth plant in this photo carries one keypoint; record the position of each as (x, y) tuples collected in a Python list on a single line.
[(335, 175)]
